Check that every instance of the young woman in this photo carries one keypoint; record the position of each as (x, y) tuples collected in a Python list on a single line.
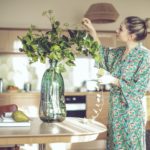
[(129, 69)]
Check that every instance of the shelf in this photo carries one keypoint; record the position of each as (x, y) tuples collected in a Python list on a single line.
[(11, 53)]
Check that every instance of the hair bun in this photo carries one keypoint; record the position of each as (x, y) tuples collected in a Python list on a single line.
[(147, 22)]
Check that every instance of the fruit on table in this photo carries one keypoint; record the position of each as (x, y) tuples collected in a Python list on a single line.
[(20, 116)]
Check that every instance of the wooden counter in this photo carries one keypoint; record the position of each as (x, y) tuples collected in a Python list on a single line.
[(29, 102)]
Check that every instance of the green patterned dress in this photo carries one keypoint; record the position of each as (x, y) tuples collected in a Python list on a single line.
[(126, 127)]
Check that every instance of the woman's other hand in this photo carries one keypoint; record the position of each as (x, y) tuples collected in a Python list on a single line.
[(109, 79)]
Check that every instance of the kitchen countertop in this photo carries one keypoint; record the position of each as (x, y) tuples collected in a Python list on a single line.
[(67, 93), (38, 93)]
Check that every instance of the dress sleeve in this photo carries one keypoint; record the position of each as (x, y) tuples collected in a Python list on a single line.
[(109, 56), (134, 89)]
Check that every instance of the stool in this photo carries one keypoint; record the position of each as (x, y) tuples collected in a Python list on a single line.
[(4, 109)]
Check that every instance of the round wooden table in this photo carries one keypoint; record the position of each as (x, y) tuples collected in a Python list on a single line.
[(71, 130)]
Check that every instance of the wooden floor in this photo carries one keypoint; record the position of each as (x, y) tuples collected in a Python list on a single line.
[(148, 125), (93, 145)]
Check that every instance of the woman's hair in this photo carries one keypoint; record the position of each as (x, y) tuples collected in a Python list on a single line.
[(137, 26)]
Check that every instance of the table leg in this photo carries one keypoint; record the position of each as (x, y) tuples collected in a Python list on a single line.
[(42, 146)]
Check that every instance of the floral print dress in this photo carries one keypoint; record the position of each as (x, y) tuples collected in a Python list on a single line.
[(126, 127)]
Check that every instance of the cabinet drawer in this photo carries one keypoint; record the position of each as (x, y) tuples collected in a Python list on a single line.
[(4, 101)]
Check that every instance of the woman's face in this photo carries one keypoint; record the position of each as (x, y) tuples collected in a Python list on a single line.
[(122, 33)]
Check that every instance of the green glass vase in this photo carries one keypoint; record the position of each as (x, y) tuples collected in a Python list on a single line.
[(52, 103)]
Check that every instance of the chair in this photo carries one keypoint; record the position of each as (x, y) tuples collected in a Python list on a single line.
[(11, 147), (8, 108), (4, 109)]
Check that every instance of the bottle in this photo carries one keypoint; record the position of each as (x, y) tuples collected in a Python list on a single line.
[(27, 87), (1, 85)]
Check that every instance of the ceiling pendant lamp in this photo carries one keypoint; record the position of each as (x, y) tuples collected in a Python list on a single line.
[(102, 13)]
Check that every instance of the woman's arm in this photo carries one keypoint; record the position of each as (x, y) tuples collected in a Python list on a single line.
[(88, 25)]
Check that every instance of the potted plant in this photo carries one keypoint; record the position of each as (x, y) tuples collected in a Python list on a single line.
[(60, 46)]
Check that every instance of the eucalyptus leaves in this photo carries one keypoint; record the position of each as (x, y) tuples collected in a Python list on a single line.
[(58, 44)]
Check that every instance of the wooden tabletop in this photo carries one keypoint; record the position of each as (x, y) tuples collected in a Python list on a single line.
[(70, 130)]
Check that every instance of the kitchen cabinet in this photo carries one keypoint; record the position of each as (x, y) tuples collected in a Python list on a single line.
[(29, 102), (9, 43), (5, 99), (92, 106), (146, 42), (8, 39), (109, 39), (4, 42), (91, 101)]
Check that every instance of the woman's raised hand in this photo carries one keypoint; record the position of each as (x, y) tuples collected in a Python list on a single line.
[(88, 24)]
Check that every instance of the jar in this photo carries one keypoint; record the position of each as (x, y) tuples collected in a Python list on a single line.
[(27, 87)]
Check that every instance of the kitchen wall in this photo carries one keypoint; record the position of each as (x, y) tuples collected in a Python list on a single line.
[(14, 69), (23, 13)]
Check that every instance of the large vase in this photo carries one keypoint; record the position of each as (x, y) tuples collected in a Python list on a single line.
[(52, 102)]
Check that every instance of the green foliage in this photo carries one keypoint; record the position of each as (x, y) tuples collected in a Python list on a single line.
[(58, 45)]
